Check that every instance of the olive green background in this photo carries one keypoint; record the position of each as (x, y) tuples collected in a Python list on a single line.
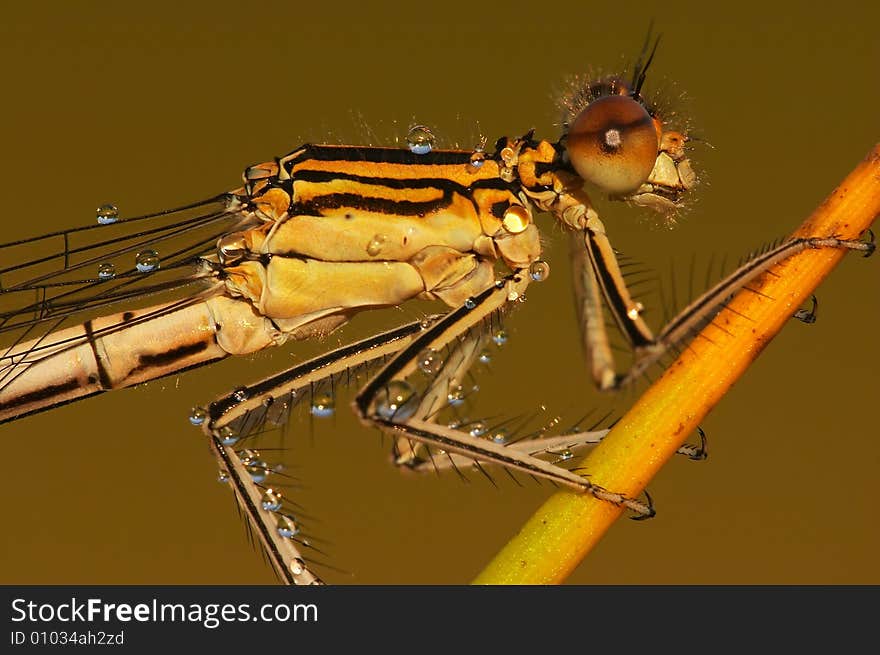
[(151, 106)]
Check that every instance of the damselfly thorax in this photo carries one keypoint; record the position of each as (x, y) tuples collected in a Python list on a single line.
[(326, 232)]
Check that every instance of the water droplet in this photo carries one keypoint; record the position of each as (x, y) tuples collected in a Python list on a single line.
[(455, 396), (516, 219), (271, 501), (420, 139), (470, 303), (539, 270), (499, 436), (478, 429), (430, 361), (565, 455), (287, 526), (634, 311), (478, 156), (258, 470), (485, 357), (222, 476), (297, 566), (231, 248), (198, 415), (375, 245), (106, 271), (107, 214), (397, 401), (499, 337), (240, 395), (146, 261), (453, 425), (227, 435), (323, 405)]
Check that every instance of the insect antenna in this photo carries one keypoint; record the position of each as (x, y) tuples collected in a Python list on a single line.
[(640, 70)]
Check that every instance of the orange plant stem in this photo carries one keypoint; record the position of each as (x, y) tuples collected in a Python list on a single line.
[(563, 530)]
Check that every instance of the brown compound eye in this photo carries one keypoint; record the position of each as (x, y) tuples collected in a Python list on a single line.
[(613, 144)]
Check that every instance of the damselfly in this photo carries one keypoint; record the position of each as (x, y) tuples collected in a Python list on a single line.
[(328, 231)]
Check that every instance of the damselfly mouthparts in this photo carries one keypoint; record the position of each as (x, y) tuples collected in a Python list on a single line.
[(327, 231)]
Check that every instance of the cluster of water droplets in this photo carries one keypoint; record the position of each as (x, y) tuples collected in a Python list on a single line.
[(146, 261)]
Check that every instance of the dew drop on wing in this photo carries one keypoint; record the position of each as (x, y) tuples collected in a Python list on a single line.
[(147, 261), (106, 271), (107, 214)]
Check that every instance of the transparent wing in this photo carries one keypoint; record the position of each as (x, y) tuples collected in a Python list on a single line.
[(65, 278), (83, 271)]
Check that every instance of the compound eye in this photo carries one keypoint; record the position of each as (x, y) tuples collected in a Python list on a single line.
[(613, 144)]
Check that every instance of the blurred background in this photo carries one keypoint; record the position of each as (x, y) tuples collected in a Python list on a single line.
[(153, 106)]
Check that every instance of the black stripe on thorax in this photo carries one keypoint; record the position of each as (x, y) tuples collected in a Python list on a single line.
[(316, 206), (379, 155)]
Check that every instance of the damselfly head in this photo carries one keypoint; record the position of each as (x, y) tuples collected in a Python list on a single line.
[(616, 140), (613, 144)]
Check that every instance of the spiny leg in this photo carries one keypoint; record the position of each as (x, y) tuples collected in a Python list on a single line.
[(588, 308), (705, 307), (558, 449), (397, 414), (597, 271), (231, 420)]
